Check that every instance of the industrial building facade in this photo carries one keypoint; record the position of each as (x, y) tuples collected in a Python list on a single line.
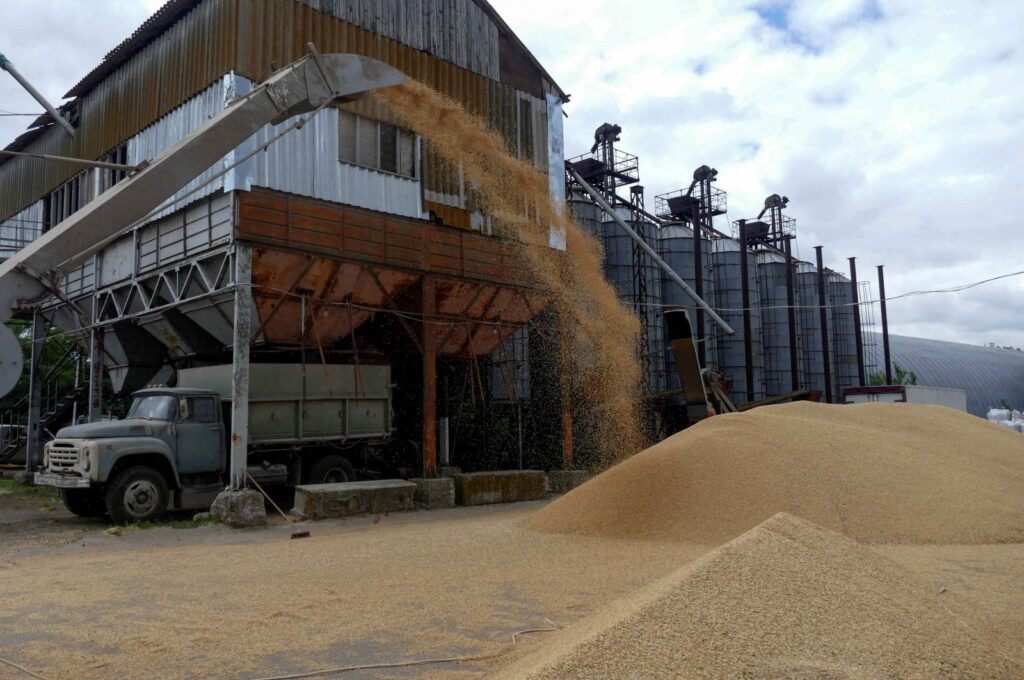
[(348, 240)]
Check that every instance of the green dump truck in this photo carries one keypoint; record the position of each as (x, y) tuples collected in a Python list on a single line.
[(307, 424)]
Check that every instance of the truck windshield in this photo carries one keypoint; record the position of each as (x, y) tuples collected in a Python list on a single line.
[(154, 407)]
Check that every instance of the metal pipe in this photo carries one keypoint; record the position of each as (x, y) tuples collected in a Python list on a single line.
[(858, 338), (76, 161), (599, 199), (794, 358), (885, 326), (6, 65), (748, 347), (826, 359)]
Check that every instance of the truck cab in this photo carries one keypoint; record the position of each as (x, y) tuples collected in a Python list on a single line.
[(171, 439)]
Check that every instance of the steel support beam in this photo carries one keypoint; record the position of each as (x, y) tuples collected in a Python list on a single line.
[(95, 364), (429, 304), (858, 338), (826, 354), (33, 453), (239, 451), (698, 281), (887, 356), (794, 357), (748, 344)]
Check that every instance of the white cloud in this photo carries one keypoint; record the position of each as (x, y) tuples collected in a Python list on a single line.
[(896, 127)]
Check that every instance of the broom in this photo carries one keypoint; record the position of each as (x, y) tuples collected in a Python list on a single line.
[(296, 532)]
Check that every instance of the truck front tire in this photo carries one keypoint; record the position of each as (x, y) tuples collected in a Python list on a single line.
[(331, 469), (138, 494), (83, 502)]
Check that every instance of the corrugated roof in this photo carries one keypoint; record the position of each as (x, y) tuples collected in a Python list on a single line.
[(989, 375)]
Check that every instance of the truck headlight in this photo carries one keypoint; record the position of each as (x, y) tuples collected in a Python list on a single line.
[(86, 454)]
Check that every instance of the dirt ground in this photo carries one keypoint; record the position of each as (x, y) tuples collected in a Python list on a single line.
[(213, 602)]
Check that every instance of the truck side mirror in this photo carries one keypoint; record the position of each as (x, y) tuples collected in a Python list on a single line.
[(183, 414)]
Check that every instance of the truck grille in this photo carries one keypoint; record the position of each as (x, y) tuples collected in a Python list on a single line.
[(63, 455)]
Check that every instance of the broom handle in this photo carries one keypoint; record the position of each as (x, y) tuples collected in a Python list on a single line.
[(267, 496)]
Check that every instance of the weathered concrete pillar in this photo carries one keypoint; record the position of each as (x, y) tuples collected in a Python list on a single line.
[(33, 452), (429, 380), (240, 367)]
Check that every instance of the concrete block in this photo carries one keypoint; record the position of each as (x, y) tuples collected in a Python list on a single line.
[(564, 481), (448, 471), (435, 494), (240, 509), (23, 477), (507, 486), (322, 501)]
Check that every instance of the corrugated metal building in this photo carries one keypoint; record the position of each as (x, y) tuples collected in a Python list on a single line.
[(991, 376), (343, 219)]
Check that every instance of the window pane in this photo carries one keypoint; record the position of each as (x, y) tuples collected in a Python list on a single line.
[(347, 137), (407, 154), (204, 412), (368, 140), (388, 148)]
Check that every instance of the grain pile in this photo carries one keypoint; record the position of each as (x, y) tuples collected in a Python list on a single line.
[(878, 473), (787, 599)]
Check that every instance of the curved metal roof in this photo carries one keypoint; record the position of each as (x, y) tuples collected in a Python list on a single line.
[(989, 375)]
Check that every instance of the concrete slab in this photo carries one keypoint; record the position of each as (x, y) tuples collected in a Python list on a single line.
[(506, 486), (321, 501), (434, 494), (564, 481)]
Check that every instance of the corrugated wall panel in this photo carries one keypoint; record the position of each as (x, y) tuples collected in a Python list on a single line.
[(252, 37), (21, 229), (145, 88)]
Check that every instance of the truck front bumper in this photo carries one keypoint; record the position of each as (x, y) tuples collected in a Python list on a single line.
[(62, 481)]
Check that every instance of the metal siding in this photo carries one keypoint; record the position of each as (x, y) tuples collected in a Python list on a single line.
[(305, 162), (183, 61), (772, 294), (20, 229), (250, 37), (174, 127)]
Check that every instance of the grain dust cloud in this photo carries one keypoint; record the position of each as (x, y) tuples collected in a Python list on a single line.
[(600, 335)]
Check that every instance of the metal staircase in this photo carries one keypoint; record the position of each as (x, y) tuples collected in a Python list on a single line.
[(58, 396)]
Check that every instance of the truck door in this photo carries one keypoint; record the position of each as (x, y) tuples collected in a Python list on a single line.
[(200, 437)]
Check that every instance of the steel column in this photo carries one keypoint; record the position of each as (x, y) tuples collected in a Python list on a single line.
[(35, 392), (794, 358), (858, 338), (748, 348), (240, 367), (826, 359), (885, 326), (429, 380), (95, 411), (698, 283)]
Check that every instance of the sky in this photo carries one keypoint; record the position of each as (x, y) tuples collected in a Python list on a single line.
[(896, 128)]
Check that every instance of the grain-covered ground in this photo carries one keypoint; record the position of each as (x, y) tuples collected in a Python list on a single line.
[(933, 588)]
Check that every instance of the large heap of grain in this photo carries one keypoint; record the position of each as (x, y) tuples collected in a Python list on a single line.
[(878, 473), (785, 600)]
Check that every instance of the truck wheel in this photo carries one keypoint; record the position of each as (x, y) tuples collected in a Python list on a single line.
[(138, 494), (83, 502), (331, 469)]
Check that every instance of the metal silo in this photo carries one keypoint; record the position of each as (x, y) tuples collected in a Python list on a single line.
[(731, 357), (812, 372), (587, 214), (675, 246), (843, 331), (637, 280), (771, 294)]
